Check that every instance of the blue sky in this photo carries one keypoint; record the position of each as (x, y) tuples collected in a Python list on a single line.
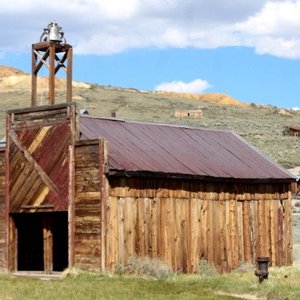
[(249, 50)]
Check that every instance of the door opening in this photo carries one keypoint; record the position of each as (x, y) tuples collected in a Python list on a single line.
[(42, 241)]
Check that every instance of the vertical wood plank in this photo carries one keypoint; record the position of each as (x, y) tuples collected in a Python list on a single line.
[(273, 256), (228, 235), (240, 231), (246, 231), (195, 233), (288, 230), (121, 240)]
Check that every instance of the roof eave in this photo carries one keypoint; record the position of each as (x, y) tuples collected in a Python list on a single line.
[(147, 174)]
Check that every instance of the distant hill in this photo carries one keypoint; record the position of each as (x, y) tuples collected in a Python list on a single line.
[(14, 79), (6, 71), (212, 97), (260, 125)]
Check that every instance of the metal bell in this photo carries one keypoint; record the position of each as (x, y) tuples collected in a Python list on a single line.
[(53, 33)]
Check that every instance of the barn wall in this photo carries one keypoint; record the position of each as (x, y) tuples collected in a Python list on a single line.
[(178, 221), (87, 214), (2, 212), (182, 222)]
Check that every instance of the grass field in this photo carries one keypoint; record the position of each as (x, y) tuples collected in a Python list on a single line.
[(283, 283)]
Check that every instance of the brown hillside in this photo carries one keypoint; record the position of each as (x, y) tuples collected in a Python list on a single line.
[(211, 97), (14, 79), (6, 71)]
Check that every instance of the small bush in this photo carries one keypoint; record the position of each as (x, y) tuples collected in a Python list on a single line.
[(206, 268), (244, 267), (148, 266), (120, 269)]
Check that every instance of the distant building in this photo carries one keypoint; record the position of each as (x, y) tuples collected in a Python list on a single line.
[(196, 114), (293, 130)]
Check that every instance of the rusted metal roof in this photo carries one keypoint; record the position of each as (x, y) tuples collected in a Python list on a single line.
[(161, 148), (294, 127)]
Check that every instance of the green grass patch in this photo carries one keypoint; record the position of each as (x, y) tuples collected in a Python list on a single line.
[(283, 283)]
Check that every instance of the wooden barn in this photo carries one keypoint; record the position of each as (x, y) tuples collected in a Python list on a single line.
[(92, 192), (78, 190)]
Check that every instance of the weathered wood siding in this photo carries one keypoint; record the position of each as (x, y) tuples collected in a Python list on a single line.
[(182, 222), (87, 210), (39, 159), (2, 212)]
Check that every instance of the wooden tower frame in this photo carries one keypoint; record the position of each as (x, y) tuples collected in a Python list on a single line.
[(45, 53)]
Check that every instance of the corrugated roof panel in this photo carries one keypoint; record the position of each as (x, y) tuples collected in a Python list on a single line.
[(162, 148)]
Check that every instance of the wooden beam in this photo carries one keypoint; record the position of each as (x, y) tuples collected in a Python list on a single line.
[(43, 61), (71, 207), (69, 73), (60, 62), (7, 217), (33, 78), (52, 75)]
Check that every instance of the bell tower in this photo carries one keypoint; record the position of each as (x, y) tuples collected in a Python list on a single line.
[(54, 53)]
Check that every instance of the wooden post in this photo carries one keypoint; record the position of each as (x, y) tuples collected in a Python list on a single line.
[(6, 194), (71, 201), (103, 159), (12, 245), (33, 79), (48, 243), (69, 74), (71, 208), (52, 74)]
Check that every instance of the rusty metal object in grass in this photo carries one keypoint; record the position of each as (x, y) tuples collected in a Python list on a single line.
[(262, 271)]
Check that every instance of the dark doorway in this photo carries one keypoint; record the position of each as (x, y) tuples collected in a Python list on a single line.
[(60, 241), (33, 238), (30, 242)]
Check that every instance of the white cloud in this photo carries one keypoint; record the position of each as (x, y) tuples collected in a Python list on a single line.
[(274, 30), (195, 87), (112, 26)]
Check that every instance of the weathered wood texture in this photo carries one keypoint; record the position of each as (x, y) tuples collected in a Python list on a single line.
[(38, 157), (177, 221), (87, 210), (182, 222), (2, 212)]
